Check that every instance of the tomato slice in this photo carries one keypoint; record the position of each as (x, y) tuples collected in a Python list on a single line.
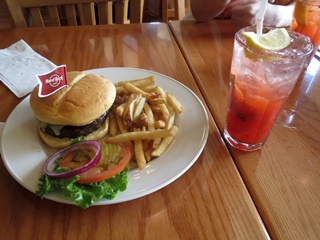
[(76, 159), (98, 174)]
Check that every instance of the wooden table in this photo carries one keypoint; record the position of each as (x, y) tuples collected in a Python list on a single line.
[(210, 201), (283, 178)]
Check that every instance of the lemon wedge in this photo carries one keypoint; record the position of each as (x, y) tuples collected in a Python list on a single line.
[(275, 40), (300, 13)]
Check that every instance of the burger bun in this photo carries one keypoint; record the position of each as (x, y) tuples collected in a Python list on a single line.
[(86, 98), (59, 143)]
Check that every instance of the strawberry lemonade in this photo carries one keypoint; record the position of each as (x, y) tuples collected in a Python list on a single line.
[(263, 74)]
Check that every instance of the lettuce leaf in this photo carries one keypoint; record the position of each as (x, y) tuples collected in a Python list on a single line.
[(84, 195)]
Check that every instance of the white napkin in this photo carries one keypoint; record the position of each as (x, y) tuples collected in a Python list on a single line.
[(19, 64)]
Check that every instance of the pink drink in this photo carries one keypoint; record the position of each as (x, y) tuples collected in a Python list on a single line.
[(261, 81)]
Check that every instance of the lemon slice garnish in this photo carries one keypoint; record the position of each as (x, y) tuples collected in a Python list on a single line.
[(300, 13), (275, 40)]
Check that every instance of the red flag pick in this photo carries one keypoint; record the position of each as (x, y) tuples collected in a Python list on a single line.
[(52, 81)]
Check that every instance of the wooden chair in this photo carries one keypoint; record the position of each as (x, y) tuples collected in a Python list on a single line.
[(175, 9), (45, 13)]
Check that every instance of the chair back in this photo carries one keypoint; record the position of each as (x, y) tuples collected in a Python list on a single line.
[(174, 9), (46, 13)]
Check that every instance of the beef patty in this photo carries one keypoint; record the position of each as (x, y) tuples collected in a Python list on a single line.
[(75, 131)]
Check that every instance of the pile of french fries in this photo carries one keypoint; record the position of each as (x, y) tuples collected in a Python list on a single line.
[(143, 119)]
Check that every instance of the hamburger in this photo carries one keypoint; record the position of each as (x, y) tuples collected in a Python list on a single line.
[(77, 111)]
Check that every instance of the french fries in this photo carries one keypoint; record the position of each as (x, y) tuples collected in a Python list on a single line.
[(165, 142), (175, 103), (138, 135), (143, 119)]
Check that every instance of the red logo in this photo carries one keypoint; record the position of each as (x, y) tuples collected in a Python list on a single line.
[(52, 81)]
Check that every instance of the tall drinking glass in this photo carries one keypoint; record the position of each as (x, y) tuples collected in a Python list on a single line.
[(306, 20), (260, 82)]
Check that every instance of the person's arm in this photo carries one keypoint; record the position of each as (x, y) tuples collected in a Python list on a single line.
[(244, 12), (279, 15), (205, 10)]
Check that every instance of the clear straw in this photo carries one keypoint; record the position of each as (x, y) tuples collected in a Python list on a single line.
[(260, 16)]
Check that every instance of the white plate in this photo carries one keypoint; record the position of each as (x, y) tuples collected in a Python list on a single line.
[(24, 153)]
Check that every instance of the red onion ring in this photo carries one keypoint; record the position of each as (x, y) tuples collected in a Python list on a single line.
[(90, 144)]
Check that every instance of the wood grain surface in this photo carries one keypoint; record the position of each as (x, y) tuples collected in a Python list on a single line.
[(283, 177), (209, 201)]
